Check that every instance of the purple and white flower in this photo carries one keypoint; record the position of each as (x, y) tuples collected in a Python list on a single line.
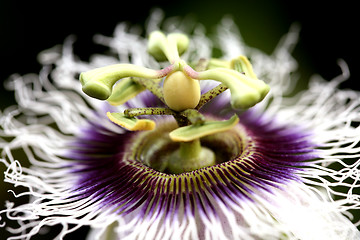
[(289, 169)]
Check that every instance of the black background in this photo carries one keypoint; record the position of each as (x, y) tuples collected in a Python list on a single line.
[(329, 31)]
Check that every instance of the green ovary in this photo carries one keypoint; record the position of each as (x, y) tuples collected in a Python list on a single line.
[(181, 92)]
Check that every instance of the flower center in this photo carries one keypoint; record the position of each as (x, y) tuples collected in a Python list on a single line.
[(156, 150), (183, 147)]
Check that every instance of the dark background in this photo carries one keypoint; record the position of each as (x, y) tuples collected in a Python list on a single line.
[(329, 31)]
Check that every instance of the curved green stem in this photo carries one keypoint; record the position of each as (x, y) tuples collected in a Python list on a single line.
[(210, 95), (133, 112), (184, 118)]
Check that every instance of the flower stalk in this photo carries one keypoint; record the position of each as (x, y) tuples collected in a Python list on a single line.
[(190, 156)]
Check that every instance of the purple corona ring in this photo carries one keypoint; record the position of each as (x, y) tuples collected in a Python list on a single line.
[(196, 148)]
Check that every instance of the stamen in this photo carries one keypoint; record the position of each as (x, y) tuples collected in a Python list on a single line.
[(180, 92), (193, 132), (131, 123), (245, 92), (124, 91)]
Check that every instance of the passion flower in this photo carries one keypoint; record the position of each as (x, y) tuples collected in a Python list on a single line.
[(240, 162)]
